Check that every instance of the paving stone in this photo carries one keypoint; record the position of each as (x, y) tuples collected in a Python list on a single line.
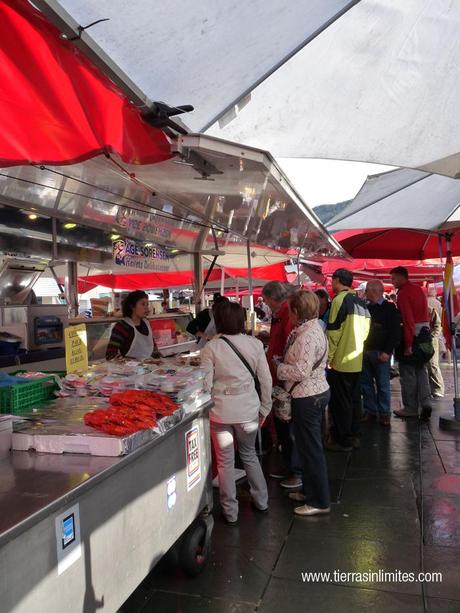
[(441, 519), (307, 552), (326, 598), (445, 560)]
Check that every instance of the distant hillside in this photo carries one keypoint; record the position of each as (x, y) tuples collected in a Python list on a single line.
[(325, 212)]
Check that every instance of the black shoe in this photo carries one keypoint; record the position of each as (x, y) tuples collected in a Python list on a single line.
[(256, 508), (355, 442), (425, 414), (229, 522), (331, 446)]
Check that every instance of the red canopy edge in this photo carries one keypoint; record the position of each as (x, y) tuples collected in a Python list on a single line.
[(161, 280), (390, 243), (56, 106)]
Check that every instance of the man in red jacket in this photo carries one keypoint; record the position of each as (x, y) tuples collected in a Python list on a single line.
[(415, 386), (275, 295)]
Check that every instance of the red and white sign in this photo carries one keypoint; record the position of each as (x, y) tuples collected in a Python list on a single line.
[(193, 456)]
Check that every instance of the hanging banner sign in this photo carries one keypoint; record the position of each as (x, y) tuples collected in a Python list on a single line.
[(130, 254), (144, 225), (193, 457), (76, 348)]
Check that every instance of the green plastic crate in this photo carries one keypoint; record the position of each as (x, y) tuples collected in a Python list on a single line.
[(17, 398)]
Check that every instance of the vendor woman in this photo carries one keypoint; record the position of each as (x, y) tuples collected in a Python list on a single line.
[(132, 336)]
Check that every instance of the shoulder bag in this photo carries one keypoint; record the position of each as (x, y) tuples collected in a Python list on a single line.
[(282, 399), (246, 363)]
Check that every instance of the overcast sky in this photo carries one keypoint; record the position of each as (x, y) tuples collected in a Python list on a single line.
[(327, 181)]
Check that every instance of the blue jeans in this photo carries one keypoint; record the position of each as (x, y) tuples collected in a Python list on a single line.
[(375, 384), (307, 418), (286, 439)]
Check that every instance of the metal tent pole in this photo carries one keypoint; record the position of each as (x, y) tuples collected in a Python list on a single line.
[(250, 287), (198, 282), (260, 451), (449, 422), (72, 289), (222, 282)]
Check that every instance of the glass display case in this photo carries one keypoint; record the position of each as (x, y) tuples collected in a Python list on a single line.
[(169, 331)]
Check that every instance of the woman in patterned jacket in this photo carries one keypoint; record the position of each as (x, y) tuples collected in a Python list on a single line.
[(303, 372)]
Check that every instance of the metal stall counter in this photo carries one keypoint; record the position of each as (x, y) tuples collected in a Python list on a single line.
[(80, 532)]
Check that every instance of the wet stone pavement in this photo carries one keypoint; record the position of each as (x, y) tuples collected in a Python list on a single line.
[(396, 507)]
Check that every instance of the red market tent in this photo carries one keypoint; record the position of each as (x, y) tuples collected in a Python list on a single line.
[(56, 106), (161, 280), (395, 242), (356, 264), (365, 269)]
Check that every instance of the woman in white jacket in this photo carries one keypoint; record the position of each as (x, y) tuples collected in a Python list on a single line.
[(237, 409)]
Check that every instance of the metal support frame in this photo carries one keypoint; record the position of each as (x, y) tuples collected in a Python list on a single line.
[(250, 287), (222, 282), (198, 275), (72, 288), (58, 283)]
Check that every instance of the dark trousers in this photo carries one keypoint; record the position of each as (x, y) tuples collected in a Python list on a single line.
[(288, 446), (307, 416), (345, 405), (375, 384)]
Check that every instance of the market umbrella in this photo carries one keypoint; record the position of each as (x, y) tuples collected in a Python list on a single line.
[(376, 86), (389, 242), (400, 214)]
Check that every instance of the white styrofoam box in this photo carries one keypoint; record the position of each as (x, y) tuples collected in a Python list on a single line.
[(97, 445)]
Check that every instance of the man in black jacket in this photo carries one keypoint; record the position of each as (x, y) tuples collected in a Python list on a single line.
[(384, 335)]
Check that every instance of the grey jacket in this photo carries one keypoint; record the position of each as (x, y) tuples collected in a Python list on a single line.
[(229, 381)]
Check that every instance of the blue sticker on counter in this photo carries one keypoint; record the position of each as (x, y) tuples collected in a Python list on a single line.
[(68, 530), (171, 496), (68, 538)]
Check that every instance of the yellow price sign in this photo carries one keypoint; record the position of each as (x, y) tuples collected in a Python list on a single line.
[(76, 348)]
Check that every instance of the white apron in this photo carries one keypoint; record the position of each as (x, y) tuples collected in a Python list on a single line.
[(142, 345), (209, 332)]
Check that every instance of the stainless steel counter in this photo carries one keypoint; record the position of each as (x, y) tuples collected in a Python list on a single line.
[(33, 485), (80, 533)]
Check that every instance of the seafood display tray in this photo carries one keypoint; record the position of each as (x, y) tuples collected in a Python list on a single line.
[(59, 428)]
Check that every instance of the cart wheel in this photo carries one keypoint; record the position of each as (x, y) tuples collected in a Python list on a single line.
[(194, 550), (171, 558)]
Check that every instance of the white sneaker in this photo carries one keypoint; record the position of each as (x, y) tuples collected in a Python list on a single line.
[(306, 511)]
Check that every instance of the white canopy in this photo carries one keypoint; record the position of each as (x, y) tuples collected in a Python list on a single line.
[(209, 53), (402, 198), (381, 84)]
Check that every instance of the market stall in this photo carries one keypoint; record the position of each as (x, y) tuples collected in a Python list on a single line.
[(110, 465)]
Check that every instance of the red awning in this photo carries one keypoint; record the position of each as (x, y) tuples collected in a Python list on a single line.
[(395, 243), (56, 107), (161, 280)]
